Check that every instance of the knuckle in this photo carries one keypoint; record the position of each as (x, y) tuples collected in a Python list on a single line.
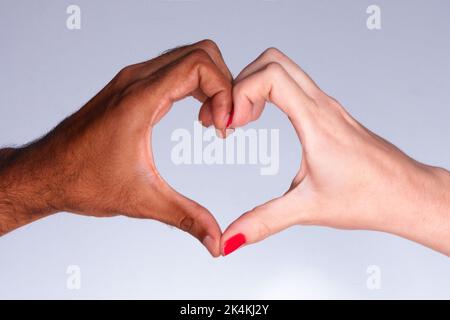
[(264, 230), (331, 101), (273, 53), (197, 57), (208, 45), (186, 223), (125, 76), (126, 72), (274, 69), (239, 95)]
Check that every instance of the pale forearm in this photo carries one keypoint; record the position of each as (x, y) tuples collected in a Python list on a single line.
[(427, 219)]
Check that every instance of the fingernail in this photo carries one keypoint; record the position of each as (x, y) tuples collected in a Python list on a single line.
[(208, 242), (233, 243), (230, 118), (220, 133)]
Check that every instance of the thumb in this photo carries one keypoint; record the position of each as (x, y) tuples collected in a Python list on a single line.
[(191, 217), (170, 207), (205, 114), (261, 222)]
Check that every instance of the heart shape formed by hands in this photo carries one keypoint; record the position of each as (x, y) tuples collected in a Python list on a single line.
[(326, 191), (98, 161)]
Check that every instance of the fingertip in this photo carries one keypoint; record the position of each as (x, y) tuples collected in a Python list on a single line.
[(212, 245), (221, 108), (204, 115), (207, 231), (251, 227)]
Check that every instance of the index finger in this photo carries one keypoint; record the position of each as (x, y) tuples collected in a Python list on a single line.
[(144, 69), (274, 84), (194, 71)]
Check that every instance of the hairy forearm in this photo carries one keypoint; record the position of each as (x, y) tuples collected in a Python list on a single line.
[(23, 192)]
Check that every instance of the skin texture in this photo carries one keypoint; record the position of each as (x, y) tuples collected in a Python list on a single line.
[(98, 162), (349, 178)]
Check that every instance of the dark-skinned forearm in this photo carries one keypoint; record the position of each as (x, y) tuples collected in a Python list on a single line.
[(24, 196)]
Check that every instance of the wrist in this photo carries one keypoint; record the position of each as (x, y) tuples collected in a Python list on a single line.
[(424, 215), (24, 192)]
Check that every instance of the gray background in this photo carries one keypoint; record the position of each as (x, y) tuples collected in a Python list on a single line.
[(395, 81)]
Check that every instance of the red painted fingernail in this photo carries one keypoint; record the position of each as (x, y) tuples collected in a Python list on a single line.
[(230, 119), (233, 243)]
